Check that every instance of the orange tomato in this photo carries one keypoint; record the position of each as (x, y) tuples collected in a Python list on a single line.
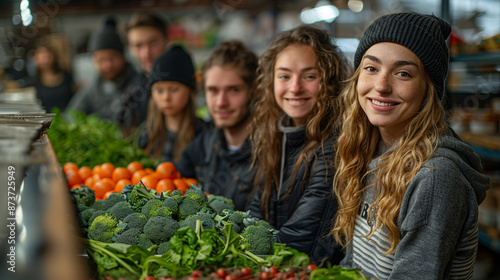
[(90, 181), (84, 172), (107, 170), (166, 170), (165, 185), (70, 166), (96, 169), (134, 166), (120, 173), (73, 178), (120, 184), (190, 181), (107, 194), (181, 185), (149, 170), (103, 186), (137, 176), (149, 181), (77, 186)]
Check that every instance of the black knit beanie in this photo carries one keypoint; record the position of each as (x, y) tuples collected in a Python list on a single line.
[(107, 38), (424, 35), (173, 65)]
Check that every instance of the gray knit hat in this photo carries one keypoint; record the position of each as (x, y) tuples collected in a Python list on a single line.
[(107, 38), (424, 35)]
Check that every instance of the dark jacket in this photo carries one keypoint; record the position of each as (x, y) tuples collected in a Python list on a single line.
[(104, 98), (168, 147), (220, 171), (136, 99), (304, 216)]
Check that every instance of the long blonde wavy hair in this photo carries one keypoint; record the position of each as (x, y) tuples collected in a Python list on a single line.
[(357, 145), (265, 136)]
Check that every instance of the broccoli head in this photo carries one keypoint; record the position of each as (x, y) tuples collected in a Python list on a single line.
[(150, 209), (95, 214), (121, 210), (113, 199), (188, 207), (129, 236), (83, 219), (144, 241), (177, 196), (135, 220), (160, 229), (230, 217), (83, 195), (196, 193), (206, 220), (104, 228), (208, 210), (162, 248), (260, 240), (219, 203), (172, 204), (98, 204), (165, 212), (139, 196)]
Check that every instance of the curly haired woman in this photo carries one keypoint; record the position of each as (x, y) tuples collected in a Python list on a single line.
[(408, 189), (292, 139)]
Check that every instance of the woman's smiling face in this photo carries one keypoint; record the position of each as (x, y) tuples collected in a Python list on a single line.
[(296, 82), (391, 87)]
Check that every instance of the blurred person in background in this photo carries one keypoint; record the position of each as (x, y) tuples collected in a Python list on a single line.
[(105, 96), (54, 86), (147, 40), (171, 124), (219, 158)]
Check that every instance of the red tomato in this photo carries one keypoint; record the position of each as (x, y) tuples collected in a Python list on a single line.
[(264, 275), (149, 278), (273, 270), (229, 277), (246, 271), (311, 267), (221, 272), (196, 274)]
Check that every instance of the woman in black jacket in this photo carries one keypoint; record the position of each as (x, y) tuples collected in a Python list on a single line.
[(292, 139)]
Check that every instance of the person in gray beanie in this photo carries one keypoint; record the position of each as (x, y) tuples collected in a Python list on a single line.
[(408, 189), (171, 123), (105, 96)]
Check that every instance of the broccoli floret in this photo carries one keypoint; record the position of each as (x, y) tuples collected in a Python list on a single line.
[(162, 248), (230, 217), (160, 229), (83, 195), (172, 204), (139, 196), (96, 214), (129, 236), (260, 240), (236, 217), (165, 212), (83, 219), (81, 207), (196, 193), (206, 221), (150, 209), (177, 196), (121, 210), (103, 228), (144, 241), (188, 207), (135, 220), (208, 210), (265, 224), (113, 199), (98, 204), (219, 203)]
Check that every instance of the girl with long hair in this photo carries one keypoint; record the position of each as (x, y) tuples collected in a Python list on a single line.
[(292, 139), (171, 122), (408, 189)]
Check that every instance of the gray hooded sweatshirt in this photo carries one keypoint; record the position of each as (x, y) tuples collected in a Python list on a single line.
[(437, 221)]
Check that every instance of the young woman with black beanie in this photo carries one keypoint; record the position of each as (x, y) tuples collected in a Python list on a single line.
[(408, 188)]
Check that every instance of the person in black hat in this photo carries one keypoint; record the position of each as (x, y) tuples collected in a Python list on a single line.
[(104, 97), (408, 189), (171, 123)]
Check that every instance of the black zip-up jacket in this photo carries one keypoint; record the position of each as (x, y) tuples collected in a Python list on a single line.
[(220, 171), (303, 217)]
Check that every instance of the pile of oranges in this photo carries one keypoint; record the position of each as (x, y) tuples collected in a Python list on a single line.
[(105, 179)]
